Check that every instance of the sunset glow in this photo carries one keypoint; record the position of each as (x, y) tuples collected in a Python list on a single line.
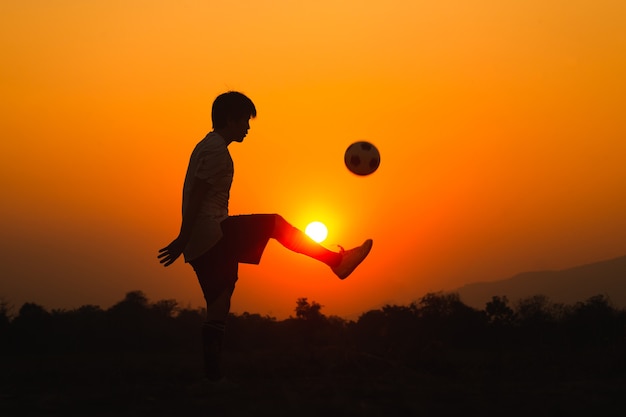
[(316, 231), (500, 125)]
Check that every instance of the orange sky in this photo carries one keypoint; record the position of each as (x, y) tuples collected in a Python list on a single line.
[(500, 126)]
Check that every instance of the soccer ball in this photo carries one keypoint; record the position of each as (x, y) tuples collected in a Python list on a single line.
[(362, 158)]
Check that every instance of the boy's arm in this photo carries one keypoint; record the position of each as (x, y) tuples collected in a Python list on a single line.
[(171, 252)]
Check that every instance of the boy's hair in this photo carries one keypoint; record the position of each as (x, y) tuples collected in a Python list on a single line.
[(233, 106)]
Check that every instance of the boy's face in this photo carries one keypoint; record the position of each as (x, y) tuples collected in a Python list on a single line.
[(239, 129)]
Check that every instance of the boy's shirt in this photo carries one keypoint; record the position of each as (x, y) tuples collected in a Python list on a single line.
[(210, 162)]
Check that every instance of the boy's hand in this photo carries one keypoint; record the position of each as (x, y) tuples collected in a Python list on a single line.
[(171, 252)]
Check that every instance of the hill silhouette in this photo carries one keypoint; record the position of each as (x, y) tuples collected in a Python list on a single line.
[(564, 286)]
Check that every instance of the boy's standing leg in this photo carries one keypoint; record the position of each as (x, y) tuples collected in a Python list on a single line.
[(213, 330), (217, 274)]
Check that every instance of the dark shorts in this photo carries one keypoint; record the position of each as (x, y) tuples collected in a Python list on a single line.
[(244, 240)]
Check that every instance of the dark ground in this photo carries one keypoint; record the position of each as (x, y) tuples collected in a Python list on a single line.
[(317, 382)]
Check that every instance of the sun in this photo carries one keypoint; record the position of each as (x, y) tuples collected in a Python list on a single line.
[(316, 231)]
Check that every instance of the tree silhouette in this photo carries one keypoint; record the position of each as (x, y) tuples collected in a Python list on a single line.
[(165, 308), (308, 311), (5, 310), (32, 327), (401, 330), (446, 319), (134, 302), (310, 327), (594, 322), (5, 325), (370, 332), (498, 311)]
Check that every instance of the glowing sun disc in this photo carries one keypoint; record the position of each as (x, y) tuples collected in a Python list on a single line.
[(316, 231)]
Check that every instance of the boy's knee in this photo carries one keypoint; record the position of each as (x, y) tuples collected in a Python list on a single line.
[(279, 222), (282, 228), (217, 309)]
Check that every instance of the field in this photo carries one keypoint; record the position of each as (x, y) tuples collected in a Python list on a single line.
[(315, 382)]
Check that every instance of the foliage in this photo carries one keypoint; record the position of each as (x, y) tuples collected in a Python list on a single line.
[(421, 335)]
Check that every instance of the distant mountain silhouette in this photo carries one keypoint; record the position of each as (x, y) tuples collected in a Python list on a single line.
[(563, 286)]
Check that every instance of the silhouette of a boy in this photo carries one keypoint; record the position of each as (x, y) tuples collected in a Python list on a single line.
[(214, 243)]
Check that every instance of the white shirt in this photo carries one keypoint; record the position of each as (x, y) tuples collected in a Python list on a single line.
[(210, 162)]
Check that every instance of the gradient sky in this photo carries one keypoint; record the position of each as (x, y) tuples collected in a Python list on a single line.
[(500, 123)]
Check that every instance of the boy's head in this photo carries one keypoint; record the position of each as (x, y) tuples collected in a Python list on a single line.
[(231, 106)]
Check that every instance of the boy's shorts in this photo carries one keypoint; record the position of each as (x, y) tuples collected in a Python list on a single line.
[(243, 241)]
